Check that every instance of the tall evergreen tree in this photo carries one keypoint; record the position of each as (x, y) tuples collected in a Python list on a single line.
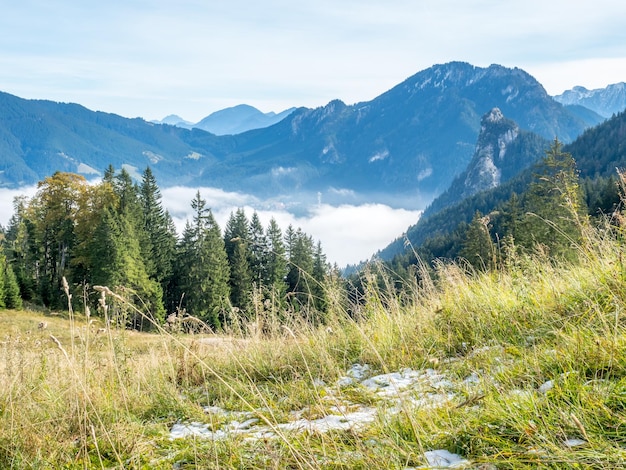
[(3, 265), (319, 276), (300, 268), (477, 248), (121, 266), (12, 298), (277, 261), (237, 245), (159, 247), (202, 267), (554, 205), (21, 253), (258, 253)]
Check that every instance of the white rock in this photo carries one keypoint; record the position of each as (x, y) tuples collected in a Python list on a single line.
[(574, 443), (444, 459), (549, 385)]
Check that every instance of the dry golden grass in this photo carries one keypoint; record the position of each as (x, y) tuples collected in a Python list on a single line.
[(77, 396)]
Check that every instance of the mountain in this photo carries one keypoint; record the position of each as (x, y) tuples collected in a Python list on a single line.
[(502, 151), (240, 119), (174, 120), (229, 121), (402, 148), (40, 137), (408, 143), (604, 101), (598, 152)]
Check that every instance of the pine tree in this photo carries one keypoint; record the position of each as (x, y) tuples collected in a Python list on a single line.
[(202, 270), (159, 244), (258, 253), (477, 247), (277, 260), (554, 205), (236, 242)]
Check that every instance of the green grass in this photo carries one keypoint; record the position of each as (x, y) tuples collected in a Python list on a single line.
[(74, 396)]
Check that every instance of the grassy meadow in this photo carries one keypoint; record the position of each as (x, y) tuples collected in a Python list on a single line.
[(533, 355)]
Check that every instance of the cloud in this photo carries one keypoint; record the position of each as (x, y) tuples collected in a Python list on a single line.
[(348, 233), (6, 201)]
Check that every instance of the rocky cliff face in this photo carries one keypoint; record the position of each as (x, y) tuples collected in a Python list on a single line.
[(485, 169), (502, 151)]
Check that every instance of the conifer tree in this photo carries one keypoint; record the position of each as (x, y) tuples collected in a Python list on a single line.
[(554, 205), (3, 265), (277, 261), (202, 267), (111, 233), (258, 253), (319, 274), (477, 247), (120, 266), (300, 267), (159, 247), (20, 250), (236, 242), (12, 298)]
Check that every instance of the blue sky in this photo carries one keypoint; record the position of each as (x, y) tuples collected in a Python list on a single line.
[(192, 57)]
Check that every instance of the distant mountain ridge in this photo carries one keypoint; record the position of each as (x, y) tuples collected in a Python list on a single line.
[(604, 101), (402, 148), (230, 121)]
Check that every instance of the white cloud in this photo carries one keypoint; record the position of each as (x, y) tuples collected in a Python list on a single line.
[(6, 201), (348, 233)]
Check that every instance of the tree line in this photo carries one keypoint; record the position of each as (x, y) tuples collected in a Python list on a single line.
[(545, 208), (116, 234)]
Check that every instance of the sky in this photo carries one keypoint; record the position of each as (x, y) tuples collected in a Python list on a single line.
[(152, 58)]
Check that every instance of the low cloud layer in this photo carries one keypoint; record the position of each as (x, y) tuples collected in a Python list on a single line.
[(348, 233)]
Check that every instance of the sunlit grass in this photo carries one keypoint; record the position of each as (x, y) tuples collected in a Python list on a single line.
[(533, 352)]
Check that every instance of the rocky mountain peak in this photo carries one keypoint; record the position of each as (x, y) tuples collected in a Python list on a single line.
[(604, 101), (485, 168), (495, 115)]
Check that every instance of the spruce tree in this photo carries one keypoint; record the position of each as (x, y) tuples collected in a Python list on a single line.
[(3, 265), (236, 242), (12, 298), (319, 274), (477, 247), (277, 261), (300, 268), (202, 270), (554, 205), (258, 253), (159, 244), (20, 250)]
